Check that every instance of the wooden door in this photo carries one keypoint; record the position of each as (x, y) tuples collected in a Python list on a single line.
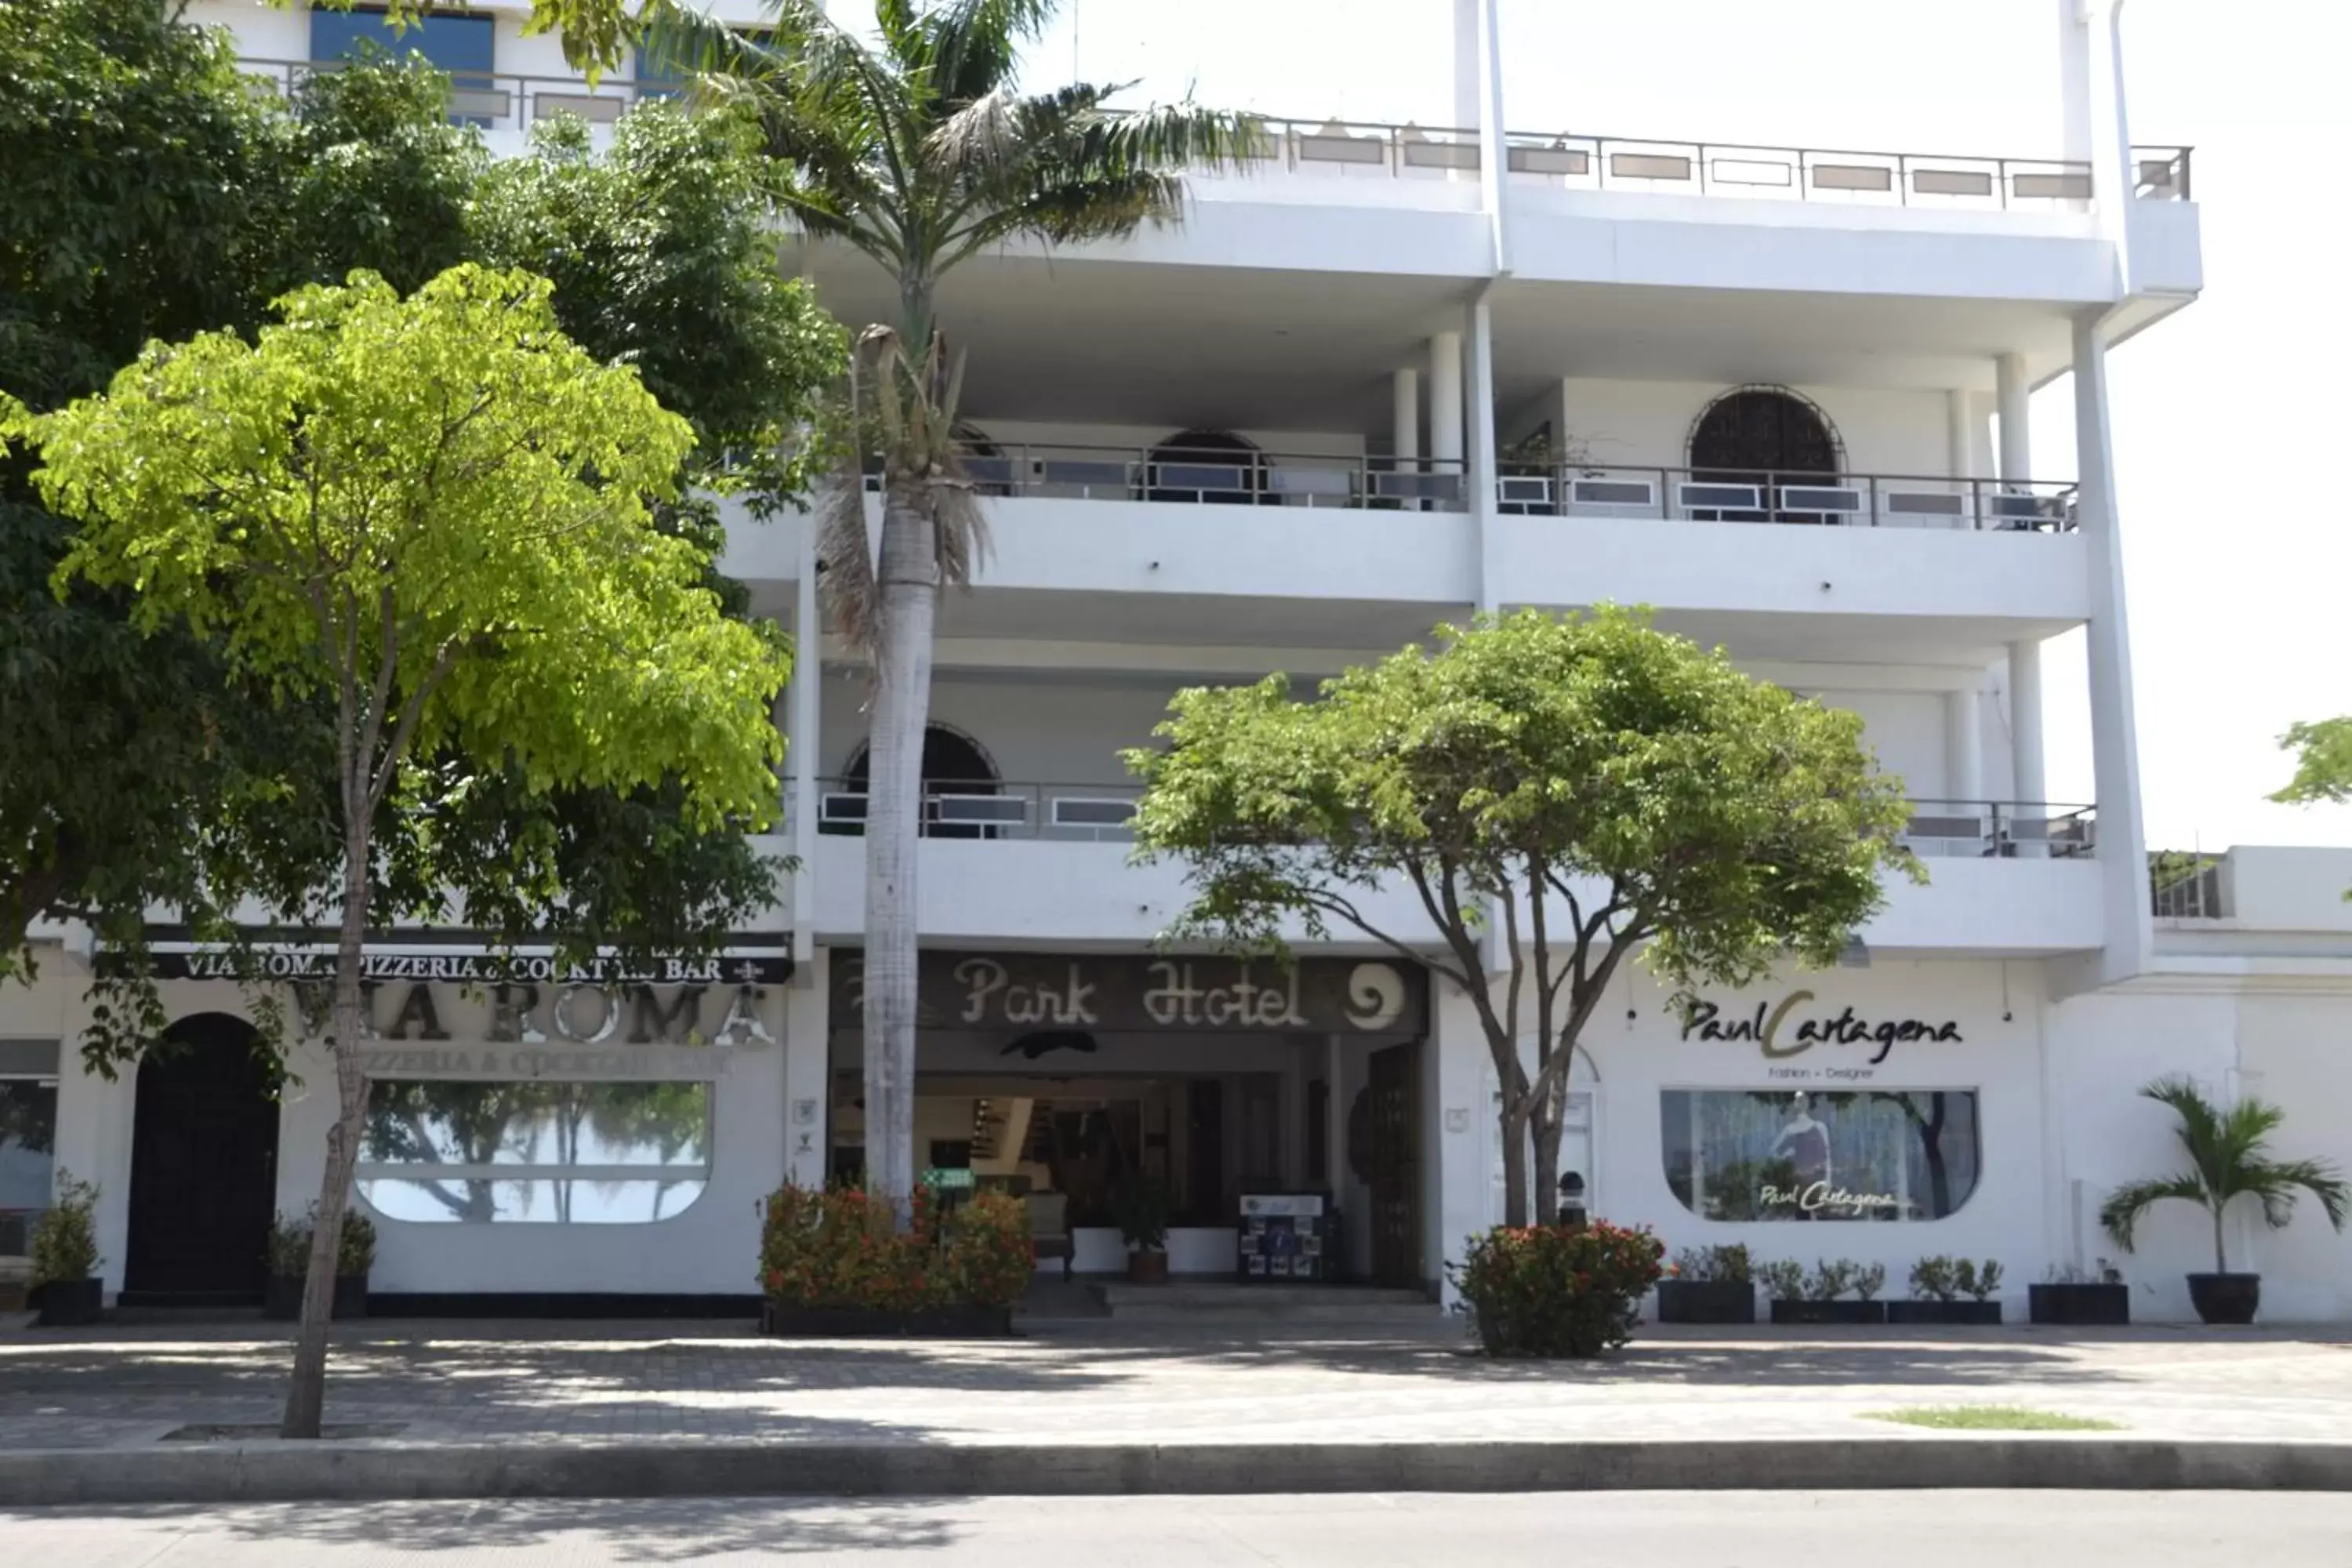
[(1396, 1166)]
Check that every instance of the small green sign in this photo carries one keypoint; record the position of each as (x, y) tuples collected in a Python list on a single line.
[(947, 1181)]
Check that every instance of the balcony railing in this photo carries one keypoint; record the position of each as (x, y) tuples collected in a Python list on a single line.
[(1748, 170), (2186, 887), (2000, 830), (509, 100), (493, 100), (1854, 500), (994, 808), (1233, 478)]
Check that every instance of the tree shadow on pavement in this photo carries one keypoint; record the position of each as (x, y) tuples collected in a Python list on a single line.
[(618, 1530)]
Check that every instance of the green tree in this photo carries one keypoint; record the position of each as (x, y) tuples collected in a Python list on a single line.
[(431, 513), (2322, 763), (2228, 1158), (1554, 793), (918, 149)]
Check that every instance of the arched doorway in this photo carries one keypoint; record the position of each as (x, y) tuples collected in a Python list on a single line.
[(1207, 466), (1754, 436), (203, 1167), (953, 765)]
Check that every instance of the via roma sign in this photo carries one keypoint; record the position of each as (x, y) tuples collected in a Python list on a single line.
[(1782, 1029)]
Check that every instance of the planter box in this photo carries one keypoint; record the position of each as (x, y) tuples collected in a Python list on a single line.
[(1848, 1313), (1707, 1301), (2079, 1306), (281, 1298), (1945, 1314), (72, 1303), (853, 1323)]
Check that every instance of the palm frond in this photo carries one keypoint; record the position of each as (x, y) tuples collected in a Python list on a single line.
[(2120, 1214), (851, 598), (2278, 1182), (978, 142), (975, 45)]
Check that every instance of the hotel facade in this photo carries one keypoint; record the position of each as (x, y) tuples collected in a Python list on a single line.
[(1384, 377)]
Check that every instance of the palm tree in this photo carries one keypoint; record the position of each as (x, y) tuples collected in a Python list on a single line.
[(918, 148), (2229, 1157)]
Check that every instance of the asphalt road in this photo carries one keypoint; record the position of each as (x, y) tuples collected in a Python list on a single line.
[(1655, 1529)]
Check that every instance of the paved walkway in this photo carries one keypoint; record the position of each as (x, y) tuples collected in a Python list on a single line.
[(1105, 1383)]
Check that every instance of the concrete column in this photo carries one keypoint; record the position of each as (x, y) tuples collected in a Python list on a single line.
[(1445, 402), (1404, 417), (1469, 64), (803, 728), (2074, 78), (808, 1045), (2114, 741), (1964, 746), (1484, 466), (2025, 722), (2016, 420), (1960, 434)]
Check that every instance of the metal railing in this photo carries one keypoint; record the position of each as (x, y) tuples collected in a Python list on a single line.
[(514, 100), (2186, 888), (1854, 501), (493, 100), (989, 808), (2000, 830), (998, 808), (1164, 473), (1750, 170)]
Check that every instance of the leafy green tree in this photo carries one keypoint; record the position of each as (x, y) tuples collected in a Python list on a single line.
[(2322, 763), (1554, 793), (432, 514), (918, 149), (2228, 1158)]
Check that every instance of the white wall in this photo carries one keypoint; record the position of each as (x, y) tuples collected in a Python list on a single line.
[(1647, 423)]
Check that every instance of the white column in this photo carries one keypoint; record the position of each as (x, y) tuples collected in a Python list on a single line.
[(1469, 64), (1960, 434), (2075, 79), (1483, 467), (1964, 746), (2025, 720), (2115, 742), (803, 724), (1445, 402), (1405, 415), (808, 1046), (2016, 420)]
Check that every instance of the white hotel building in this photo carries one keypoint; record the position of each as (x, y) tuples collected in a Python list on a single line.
[(1389, 377)]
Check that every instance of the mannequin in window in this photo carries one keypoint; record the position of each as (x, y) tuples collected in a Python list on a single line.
[(1804, 1143)]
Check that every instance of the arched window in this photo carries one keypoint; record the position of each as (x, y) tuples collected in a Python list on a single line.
[(953, 765), (1756, 435), (1206, 465)]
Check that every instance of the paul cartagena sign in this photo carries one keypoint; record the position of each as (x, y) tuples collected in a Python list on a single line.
[(1124, 992), (1794, 1026)]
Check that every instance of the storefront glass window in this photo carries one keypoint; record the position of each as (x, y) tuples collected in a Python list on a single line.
[(560, 1153), (1753, 1155), (28, 1131)]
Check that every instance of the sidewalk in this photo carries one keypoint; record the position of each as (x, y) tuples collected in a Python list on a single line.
[(1073, 1384)]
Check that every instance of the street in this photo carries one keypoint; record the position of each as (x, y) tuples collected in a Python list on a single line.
[(1681, 1530)]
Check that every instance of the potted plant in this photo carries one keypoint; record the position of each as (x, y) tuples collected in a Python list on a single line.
[(1938, 1285), (65, 1257), (1549, 1291), (1141, 1211), (834, 1263), (1709, 1285), (2075, 1298), (1816, 1298), (2228, 1158), (289, 1262)]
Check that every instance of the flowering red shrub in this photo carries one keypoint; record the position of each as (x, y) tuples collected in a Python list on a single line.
[(1539, 1291), (836, 1248)]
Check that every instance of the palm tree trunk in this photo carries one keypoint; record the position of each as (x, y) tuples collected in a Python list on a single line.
[(909, 592), (2221, 1262)]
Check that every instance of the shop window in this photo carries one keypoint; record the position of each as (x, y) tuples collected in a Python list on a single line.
[(533, 1152), (1751, 1155), (28, 1132)]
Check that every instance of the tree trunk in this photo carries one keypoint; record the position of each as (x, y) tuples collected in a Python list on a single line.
[(2220, 1259), (1514, 1124), (909, 589), (1544, 1131), (306, 1399)]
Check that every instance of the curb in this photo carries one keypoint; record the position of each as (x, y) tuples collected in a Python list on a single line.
[(360, 1471)]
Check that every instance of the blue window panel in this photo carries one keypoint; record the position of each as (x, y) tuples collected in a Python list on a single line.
[(465, 46)]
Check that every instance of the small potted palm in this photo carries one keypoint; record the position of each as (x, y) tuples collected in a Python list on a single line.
[(1709, 1285), (65, 1257), (2228, 1158), (1141, 1210)]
